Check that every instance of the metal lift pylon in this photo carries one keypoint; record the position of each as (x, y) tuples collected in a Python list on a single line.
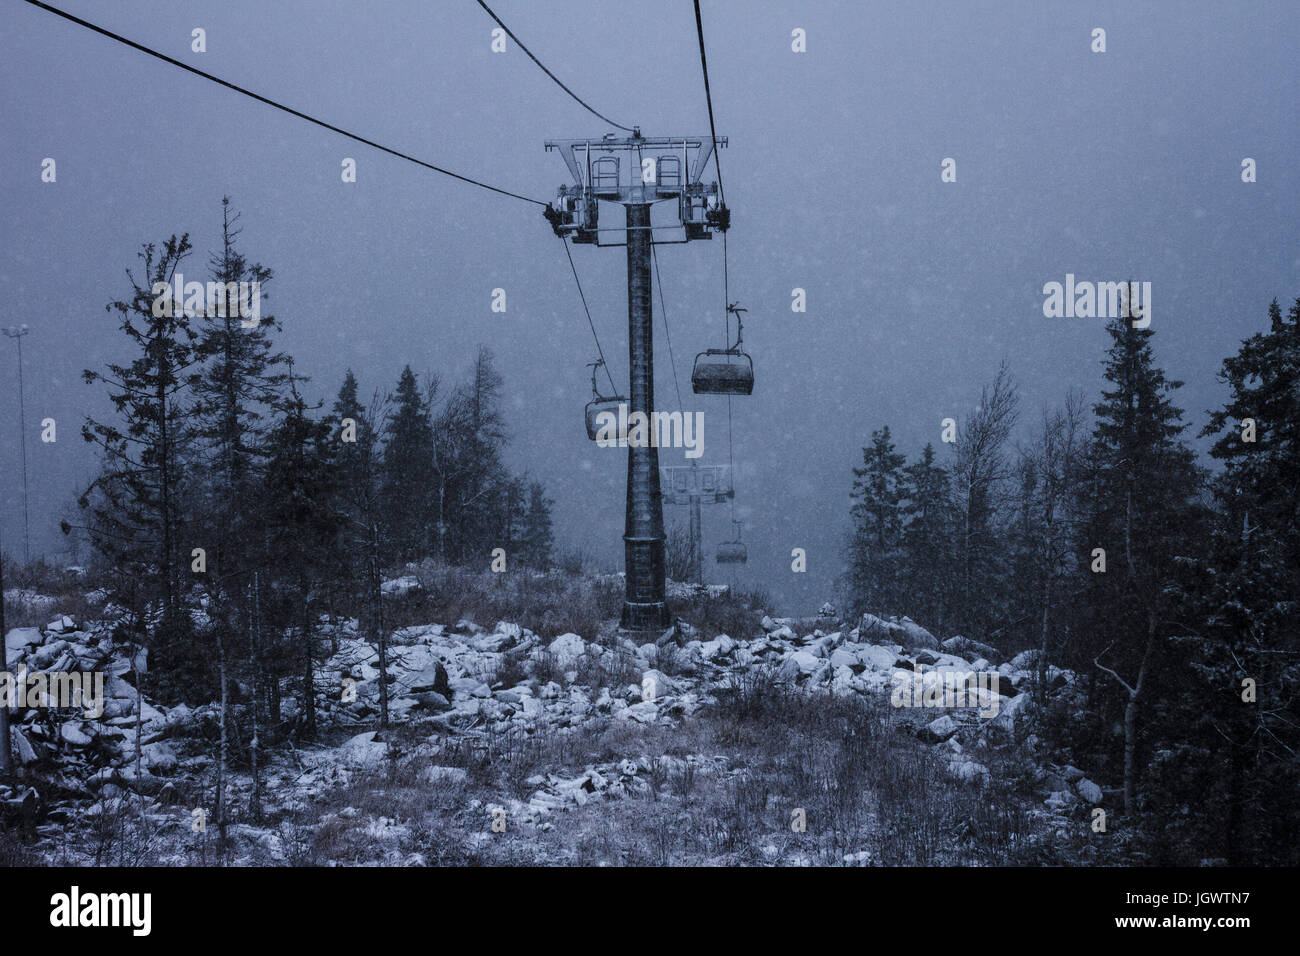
[(657, 169)]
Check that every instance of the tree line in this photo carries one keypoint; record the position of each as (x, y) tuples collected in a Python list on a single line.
[(1101, 542), (229, 514)]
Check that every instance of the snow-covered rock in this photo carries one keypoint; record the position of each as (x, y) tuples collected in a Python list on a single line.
[(20, 639), (567, 649), (1088, 790), (939, 729), (917, 636), (363, 751), (399, 587), (797, 663)]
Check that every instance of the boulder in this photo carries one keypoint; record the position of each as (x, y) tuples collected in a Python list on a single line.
[(917, 636), (655, 684), (74, 735), (25, 750), (644, 712), (432, 679), (469, 687), (1025, 660), (877, 657), (20, 639), (938, 730), (796, 664), (363, 751), (1061, 800), (842, 657), (874, 630), (720, 646), (567, 649), (1089, 791), (158, 757)]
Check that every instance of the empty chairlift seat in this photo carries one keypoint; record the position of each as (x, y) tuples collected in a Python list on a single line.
[(594, 420), (732, 552), (723, 372), (601, 405)]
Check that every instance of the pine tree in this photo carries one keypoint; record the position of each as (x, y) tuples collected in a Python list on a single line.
[(134, 505), (408, 485), (302, 527), (1054, 461), (470, 439), (241, 387), (360, 508), (979, 474), (1248, 594), (537, 539), (878, 516), (928, 556), (345, 422), (1141, 496)]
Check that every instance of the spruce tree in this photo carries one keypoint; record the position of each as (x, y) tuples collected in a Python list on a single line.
[(302, 526), (407, 488), (979, 475), (1141, 504), (240, 389), (537, 538), (1241, 754), (930, 526), (878, 526), (134, 506), (470, 439)]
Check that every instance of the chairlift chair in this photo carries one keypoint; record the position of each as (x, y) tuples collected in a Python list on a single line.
[(728, 371), (732, 552), (599, 403)]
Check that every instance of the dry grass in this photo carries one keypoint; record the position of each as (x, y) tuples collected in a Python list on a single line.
[(548, 604), (761, 753)]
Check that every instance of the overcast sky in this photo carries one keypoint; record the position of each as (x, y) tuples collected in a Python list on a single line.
[(1116, 165)]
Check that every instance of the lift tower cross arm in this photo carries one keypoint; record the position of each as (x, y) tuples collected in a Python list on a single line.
[(637, 172)]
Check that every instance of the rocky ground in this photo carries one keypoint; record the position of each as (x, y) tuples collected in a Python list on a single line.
[(780, 746)]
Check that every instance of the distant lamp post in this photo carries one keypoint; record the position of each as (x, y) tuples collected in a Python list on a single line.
[(16, 332)]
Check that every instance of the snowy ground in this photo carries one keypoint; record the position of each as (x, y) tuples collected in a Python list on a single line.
[(781, 746)]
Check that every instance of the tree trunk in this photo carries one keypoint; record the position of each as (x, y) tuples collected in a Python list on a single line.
[(164, 484), (255, 802), (308, 691), (6, 753), (223, 753), (377, 616), (1042, 650), (1130, 722)]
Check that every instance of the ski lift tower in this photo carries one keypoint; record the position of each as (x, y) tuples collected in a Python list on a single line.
[(637, 172), (692, 485)]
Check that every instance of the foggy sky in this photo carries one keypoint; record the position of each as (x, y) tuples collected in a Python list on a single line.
[(1114, 166)]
